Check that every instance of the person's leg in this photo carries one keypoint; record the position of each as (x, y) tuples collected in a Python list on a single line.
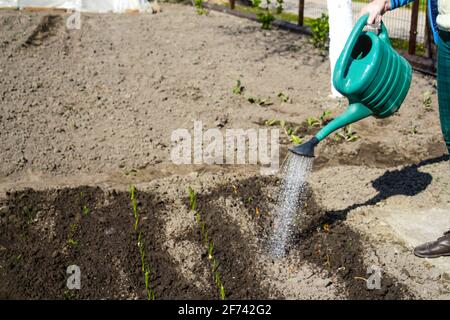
[(443, 82), (441, 246)]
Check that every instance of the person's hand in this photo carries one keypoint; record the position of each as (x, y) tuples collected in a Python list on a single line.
[(376, 9)]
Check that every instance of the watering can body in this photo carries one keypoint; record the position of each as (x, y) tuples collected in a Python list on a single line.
[(371, 74)]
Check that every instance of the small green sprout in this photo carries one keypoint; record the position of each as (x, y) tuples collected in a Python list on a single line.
[(211, 250), (238, 88), (202, 229), (347, 134), (71, 242), (85, 210), (217, 280), (312, 122), (132, 190), (414, 130), (146, 276), (264, 102), (251, 99), (197, 217), (214, 264), (271, 122), (134, 204), (192, 199), (325, 117), (427, 100), (29, 214), (222, 292), (260, 102), (284, 97), (295, 139)]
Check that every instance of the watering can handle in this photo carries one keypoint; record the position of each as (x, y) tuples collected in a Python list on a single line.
[(342, 64)]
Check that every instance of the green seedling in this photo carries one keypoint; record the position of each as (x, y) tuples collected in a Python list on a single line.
[(197, 217), (295, 139), (68, 294), (217, 280), (251, 99), (284, 97), (28, 213), (325, 117), (347, 134), (71, 242), (134, 204), (214, 264), (414, 130), (238, 88), (249, 200), (271, 122), (427, 100), (202, 229), (192, 199), (312, 122), (146, 274), (260, 102), (85, 210), (211, 250), (132, 190), (222, 292), (264, 102)]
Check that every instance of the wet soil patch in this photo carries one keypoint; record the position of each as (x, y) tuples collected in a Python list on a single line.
[(322, 239), (35, 229)]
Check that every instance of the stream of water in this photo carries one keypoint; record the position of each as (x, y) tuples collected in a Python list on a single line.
[(289, 202)]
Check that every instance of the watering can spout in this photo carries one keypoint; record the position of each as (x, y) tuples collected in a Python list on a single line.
[(354, 112), (305, 149)]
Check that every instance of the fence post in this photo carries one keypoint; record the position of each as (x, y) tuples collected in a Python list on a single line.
[(413, 27), (301, 11), (232, 4)]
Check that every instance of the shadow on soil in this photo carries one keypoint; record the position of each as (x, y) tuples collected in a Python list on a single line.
[(408, 181)]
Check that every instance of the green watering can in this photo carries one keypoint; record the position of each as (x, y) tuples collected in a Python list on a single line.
[(372, 75)]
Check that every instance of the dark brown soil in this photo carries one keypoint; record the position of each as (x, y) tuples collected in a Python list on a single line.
[(337, 249), (35, 257)]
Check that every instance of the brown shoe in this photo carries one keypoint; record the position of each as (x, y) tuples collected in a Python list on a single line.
[(434, 249)]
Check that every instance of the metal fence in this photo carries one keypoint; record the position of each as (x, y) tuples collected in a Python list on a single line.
[(398, 21), (407, 24)]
